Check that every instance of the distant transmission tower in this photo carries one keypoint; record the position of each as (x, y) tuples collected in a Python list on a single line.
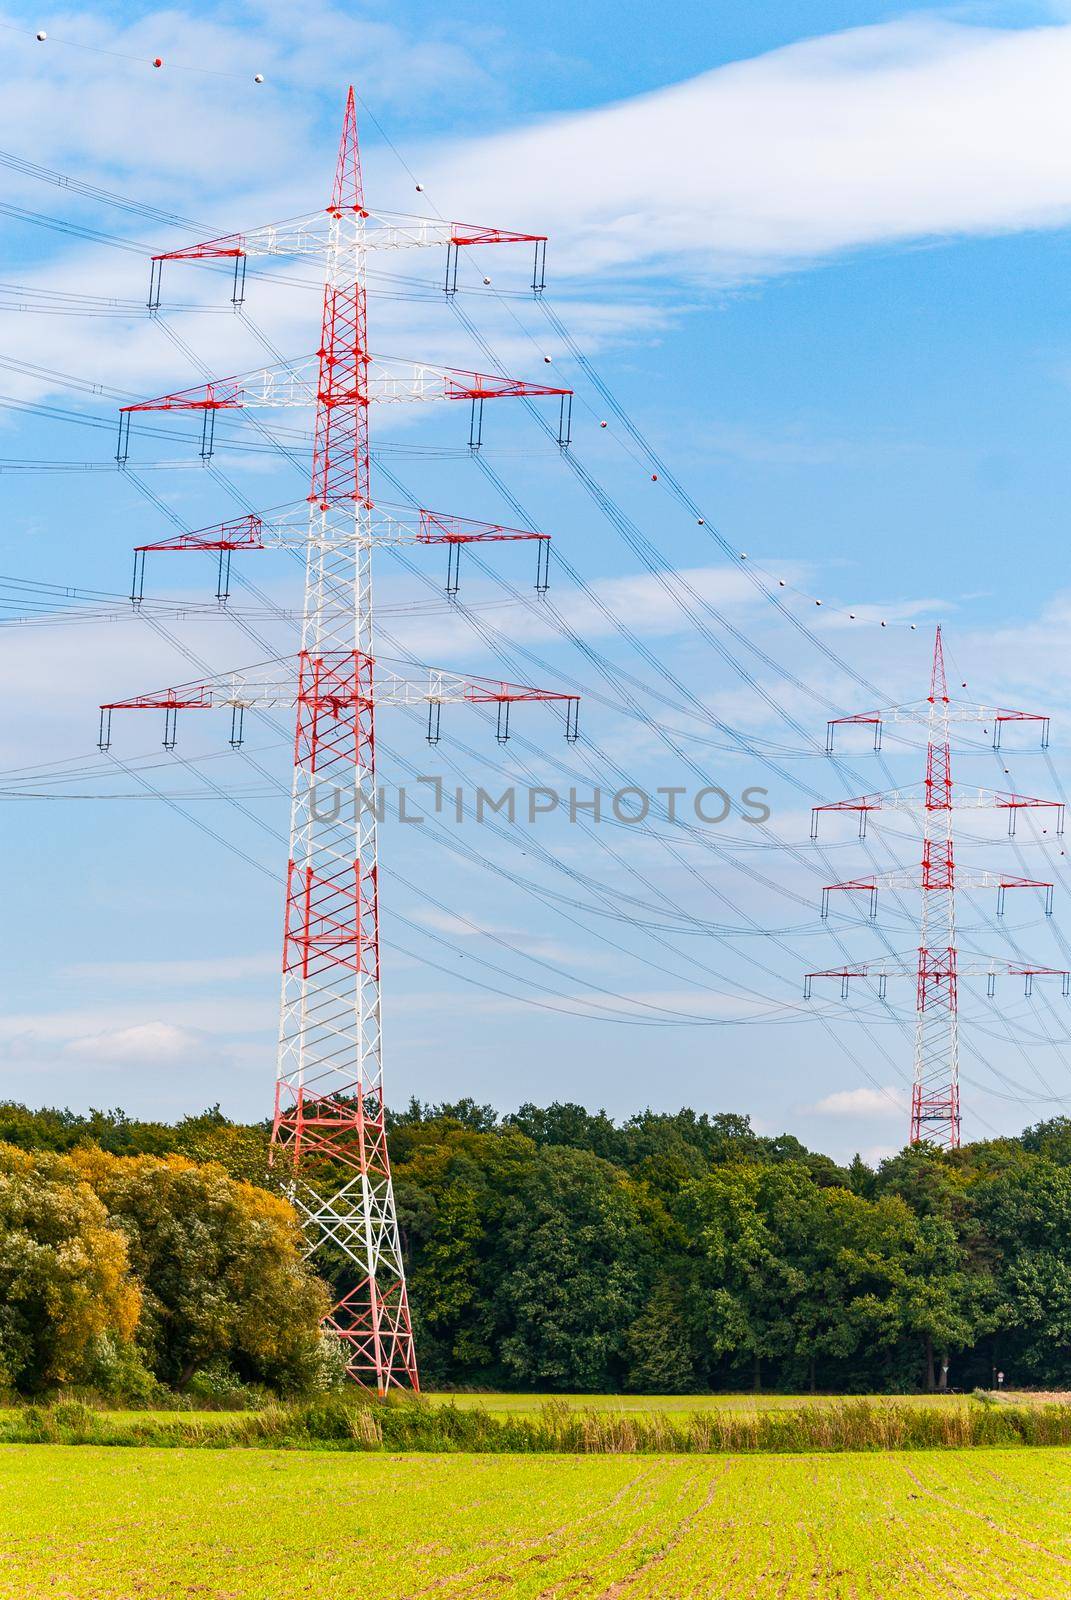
[(937, 965), (329, 1106)]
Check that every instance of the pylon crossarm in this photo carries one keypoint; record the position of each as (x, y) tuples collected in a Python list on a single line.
[(221, 394), (337, 686), (862, 804), (452, 688), (991, 968), (291, 383), (1002, 882), (440, 527), (396, 527), (982, 966), (400, 525), (241, 533), (319, 235), (390, 380), (918, 713), (914, 800), (297, 236), (387, 525), (999, 800), (937, 972), (382, 528), (868, 886), (384, 380), (311, 235), (912, 878), (888, 966)]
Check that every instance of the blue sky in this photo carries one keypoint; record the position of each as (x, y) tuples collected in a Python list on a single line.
[(821, 258)]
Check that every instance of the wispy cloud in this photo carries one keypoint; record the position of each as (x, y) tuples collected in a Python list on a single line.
[(909, 130)]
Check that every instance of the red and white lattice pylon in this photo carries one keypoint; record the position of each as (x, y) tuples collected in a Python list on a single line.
[(329, 1115), (937, 965)]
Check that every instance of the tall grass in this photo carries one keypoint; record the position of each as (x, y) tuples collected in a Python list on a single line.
[(407, 1423)]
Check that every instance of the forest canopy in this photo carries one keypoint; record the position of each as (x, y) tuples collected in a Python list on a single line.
[(548, 1249)]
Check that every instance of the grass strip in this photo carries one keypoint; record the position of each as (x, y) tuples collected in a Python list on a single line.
[(409, 1423)]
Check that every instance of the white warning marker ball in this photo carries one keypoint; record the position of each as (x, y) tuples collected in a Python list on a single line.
[(258, 77), (487, 280), (420, 188), (41, 35)]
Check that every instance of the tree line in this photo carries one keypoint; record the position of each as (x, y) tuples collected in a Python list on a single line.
[(548, 1249)]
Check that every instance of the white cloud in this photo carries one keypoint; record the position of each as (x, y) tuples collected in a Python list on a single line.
[(211, 123), (862, 1102), (904, 131), (151, 1042), (227, 1017), (909, 130)]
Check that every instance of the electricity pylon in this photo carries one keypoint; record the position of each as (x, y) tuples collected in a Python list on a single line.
[(937, 965), (329, 1113)]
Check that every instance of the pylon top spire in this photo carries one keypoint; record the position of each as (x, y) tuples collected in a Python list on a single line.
[(938, 683), (348, 193)]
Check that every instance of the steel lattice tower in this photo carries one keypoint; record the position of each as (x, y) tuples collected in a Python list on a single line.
[(937, 965), (329, 1082), (935, 1084), (329, 1115)]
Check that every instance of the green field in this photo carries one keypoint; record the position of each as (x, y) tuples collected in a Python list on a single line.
[(88, 1523)]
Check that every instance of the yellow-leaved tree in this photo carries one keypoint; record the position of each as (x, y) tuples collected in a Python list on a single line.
[(219, 1262), (65, 1277)]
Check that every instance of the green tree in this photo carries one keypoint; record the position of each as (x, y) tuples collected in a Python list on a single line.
[(564, 1123), (452, 1186), (746, 1283), (575, 1264), (948, 1304), (1026, 1213), (850, 1316), (241, 1151), (661, 1347)]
